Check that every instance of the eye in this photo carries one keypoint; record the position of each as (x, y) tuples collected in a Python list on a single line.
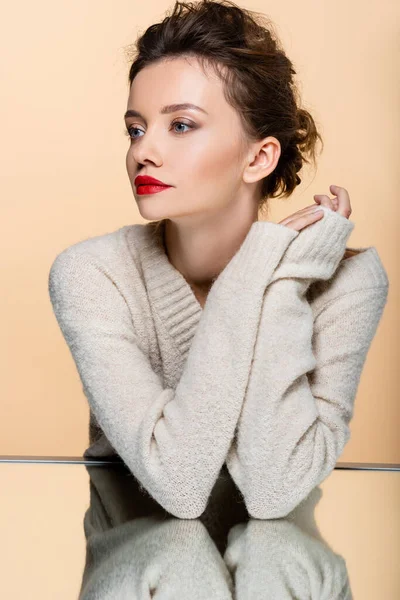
[(181, 123), (129, 131)]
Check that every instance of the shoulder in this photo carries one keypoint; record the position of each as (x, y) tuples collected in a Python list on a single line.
[(360, 269), (103, 247), (95, 266), (114, 251)]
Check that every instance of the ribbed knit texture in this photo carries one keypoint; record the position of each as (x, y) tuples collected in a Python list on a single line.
[(264, 377)]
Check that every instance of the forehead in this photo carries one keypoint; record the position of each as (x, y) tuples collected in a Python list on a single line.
[(174, 81)]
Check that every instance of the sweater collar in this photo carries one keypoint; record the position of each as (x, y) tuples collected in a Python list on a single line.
[(169, 293), (177, 307)]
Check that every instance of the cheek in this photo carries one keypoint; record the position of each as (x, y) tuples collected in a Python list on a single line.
[(129, 160), (218, 162)]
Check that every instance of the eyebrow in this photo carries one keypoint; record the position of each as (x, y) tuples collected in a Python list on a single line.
[(170, 108)]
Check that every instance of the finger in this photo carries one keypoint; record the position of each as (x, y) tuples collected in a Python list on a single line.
[(333, 200), (343, 200), (303, 221), (299, 213), (324, 200)]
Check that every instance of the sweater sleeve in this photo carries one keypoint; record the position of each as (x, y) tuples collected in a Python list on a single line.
[(304, 377), (174, 441), (278, 559)]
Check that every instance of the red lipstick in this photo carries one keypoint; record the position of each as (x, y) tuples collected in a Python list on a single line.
[(149, 185)]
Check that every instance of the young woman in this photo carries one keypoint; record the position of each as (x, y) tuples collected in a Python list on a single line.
[(211, 343)]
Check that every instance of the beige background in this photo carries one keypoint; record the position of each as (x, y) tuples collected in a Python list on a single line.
[(64, 92)]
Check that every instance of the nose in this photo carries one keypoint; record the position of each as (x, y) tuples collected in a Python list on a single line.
[(147, 149)]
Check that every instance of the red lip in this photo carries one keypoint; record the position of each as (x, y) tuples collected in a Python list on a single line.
[(147, 180)]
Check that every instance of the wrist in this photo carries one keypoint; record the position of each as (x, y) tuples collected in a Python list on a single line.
[(316, 252)]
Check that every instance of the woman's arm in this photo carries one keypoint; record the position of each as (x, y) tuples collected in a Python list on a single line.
[(174, 441), (304, 377)]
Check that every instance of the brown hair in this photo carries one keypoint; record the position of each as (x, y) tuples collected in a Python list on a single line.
[(257, 76)]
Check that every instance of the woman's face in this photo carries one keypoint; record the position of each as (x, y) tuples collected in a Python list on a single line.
[(201, 154)]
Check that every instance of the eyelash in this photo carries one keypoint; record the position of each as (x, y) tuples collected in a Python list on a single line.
[(128, 130)]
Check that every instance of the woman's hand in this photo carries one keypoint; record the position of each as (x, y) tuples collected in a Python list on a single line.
[(306, 216)]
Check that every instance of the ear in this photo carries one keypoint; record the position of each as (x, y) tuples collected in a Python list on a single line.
[(263, 156)]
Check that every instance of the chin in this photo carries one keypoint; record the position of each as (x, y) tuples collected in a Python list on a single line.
[(155, 211), (151, 209)]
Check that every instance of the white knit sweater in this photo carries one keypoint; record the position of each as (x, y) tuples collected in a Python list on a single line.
[(261, 381)]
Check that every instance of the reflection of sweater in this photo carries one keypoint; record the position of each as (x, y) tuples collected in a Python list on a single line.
[(166, 380), (153, 557), (277, 559), (133, 553), (176, 558)]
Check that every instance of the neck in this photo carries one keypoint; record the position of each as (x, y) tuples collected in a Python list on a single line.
[(200, 252)]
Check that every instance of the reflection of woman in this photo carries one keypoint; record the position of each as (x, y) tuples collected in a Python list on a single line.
[(176, 558), (210, 344)]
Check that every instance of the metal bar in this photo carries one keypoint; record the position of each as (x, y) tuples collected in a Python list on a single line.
[(77, 460)]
